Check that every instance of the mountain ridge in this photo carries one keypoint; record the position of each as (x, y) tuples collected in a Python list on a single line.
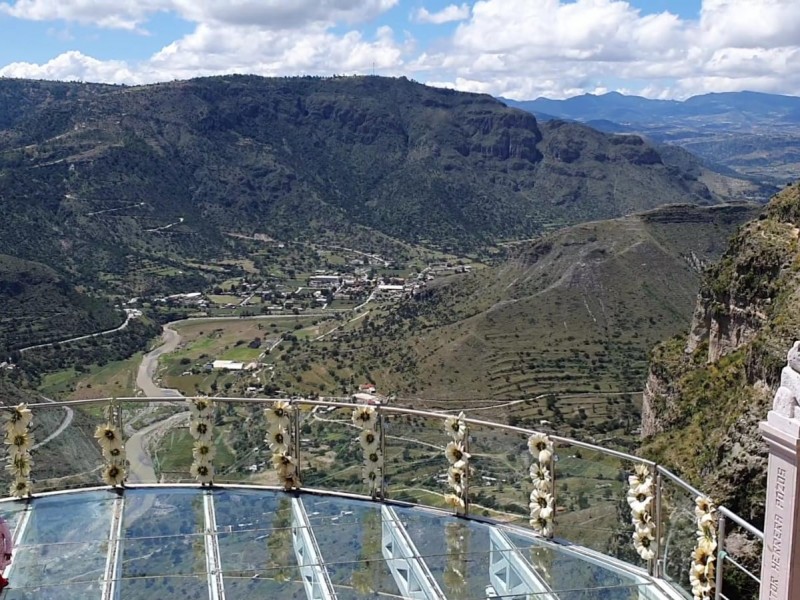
[(753, 133)]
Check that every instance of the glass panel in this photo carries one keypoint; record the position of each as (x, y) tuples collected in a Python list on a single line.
[(331, 455), (499, 484), (348, 534), (11, 511), (679, 538), (162, 536), (416, 467), (188, 587), (255, 541), (591, 495), (66, 540), (64, 590)]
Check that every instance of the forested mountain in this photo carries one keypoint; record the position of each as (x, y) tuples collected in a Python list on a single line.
[(91, 175)]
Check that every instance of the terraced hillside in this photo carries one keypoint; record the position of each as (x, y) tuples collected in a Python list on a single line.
[(574, 313)]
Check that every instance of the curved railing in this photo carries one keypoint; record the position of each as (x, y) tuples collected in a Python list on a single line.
[(589, 484)]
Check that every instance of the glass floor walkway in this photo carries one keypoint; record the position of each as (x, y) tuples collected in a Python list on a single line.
[(188, 543)]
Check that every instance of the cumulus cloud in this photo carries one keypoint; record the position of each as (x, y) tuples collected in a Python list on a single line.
[(131, 15), (448, 14), (72, 66), (524, 49), (516, 48)]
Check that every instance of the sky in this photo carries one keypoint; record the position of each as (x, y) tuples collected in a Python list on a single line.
[(519, 49)]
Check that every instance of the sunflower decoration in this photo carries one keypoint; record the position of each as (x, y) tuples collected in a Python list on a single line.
[(458, 458), (279, 440), (112, 446), (701, 574), (365, 417), (201, 428), (542, 501), (640, 499), (19, 442)]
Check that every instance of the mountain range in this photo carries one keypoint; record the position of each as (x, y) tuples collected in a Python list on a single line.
[(754, 133), (105, 174)]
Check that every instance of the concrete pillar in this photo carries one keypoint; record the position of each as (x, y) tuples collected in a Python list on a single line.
[(780, 566)]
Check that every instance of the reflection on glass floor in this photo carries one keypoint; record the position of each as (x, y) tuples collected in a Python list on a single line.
[(187, 543)]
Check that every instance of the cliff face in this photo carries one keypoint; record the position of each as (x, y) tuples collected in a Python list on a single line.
[(706, 394)]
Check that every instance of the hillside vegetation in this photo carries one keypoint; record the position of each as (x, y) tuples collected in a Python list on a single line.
[(707, 393), (575, 312), (98, 181), (39, 306)]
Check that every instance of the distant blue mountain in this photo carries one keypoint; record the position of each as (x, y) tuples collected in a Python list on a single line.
[(753, 133), (626, 110)]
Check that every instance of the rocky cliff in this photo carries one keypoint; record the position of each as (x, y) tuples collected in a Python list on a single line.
[(705, 394)]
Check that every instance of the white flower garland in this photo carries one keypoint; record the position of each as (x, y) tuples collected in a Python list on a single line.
[(279, 439), (640, 499), (458, 457), (701, 575), (201, 427), (542, 502), (19, 441), (113, 447), (366, 417)]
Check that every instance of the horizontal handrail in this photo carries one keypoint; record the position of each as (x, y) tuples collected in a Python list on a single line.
[(741, 522), (415, 412), (741, 567), (678, 481)]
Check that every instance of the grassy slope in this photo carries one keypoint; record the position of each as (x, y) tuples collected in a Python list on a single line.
[(574, 312)]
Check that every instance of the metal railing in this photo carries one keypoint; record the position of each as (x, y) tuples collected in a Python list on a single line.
[(657, 567)]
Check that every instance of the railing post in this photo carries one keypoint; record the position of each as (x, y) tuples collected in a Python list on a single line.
[(296, 439), (382, 438), (553, 460), (466, 471), (720, 556), (658, 566)]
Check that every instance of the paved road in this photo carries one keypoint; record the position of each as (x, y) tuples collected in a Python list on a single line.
[(128, 318), (64, 424)]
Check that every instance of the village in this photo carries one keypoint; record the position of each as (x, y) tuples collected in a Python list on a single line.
[(237, 334)]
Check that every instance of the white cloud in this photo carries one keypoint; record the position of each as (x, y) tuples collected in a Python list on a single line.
[(131, 15), (72, 66), (448, 14), (515, 48), (524, 49)]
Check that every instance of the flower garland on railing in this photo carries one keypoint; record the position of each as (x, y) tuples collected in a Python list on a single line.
[(366, 418), (458, 457), (542, 502), (640, 499), (19, 441), (701, 575), (111, 444), (201, 427), (279, 439)]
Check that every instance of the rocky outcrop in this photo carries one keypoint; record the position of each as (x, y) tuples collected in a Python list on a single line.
[(706, 393)]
